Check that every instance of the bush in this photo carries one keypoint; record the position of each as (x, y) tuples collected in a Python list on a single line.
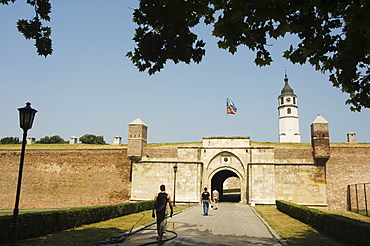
[(92, 139), (41, 223), (10, 140), (341, 228), (51, 140)]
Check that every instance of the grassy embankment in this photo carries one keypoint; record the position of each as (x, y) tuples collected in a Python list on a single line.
[(189, 144), (92, 146), (296, 233)]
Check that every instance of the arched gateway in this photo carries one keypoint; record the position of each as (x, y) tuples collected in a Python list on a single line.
[(222, 166), (218, 180), (265, 173)]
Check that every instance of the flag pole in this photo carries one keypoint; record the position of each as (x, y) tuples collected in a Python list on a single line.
[(226, 125), (226, 118)]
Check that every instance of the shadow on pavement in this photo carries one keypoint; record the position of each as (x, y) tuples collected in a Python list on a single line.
[(193, 236), (232, 197)]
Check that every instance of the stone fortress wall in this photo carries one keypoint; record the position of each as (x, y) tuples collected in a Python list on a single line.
[(313, 176), (54, 178), (83, 177), (347, 165)]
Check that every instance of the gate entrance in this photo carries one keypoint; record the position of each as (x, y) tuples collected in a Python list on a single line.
[(218, 181)]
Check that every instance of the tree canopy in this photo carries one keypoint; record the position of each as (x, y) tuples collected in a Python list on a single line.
[(33, 29), (334, 35), (92, 139), (10, 140), (51, 140)]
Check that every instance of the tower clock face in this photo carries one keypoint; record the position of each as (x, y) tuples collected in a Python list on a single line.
[(288, 99)]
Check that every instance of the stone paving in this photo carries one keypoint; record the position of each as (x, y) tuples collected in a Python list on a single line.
[(232, 224)]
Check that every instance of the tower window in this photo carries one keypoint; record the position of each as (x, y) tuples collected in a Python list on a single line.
[(289, 111), (282, 100), (293, 100)]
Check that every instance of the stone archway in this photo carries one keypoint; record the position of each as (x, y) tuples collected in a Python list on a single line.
[(218, 180), (223, 165)]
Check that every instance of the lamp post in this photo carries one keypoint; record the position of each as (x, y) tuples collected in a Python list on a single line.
[(26, 117), (174, 184)]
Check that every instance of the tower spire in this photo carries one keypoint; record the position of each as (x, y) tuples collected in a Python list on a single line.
[(288, 114)]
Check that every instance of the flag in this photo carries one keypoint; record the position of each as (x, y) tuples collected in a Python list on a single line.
[(230, 107)]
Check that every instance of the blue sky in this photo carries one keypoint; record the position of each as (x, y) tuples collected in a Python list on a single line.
[(88, 86)]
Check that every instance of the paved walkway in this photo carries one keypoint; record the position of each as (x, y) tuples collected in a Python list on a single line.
[(232, 224)]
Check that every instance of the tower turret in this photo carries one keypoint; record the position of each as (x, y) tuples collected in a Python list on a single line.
[(320, 140), (137, 139), (288, 115)]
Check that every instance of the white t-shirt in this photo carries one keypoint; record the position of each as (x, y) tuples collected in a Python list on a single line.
[(215, 194)]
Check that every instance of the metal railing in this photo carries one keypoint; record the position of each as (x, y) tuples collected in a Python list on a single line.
[(357, 198)]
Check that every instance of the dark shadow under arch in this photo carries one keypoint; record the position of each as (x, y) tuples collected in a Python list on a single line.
[(217, 182)]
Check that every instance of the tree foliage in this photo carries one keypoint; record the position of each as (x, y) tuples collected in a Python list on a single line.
[(334, 35), (33, 29), (10, 140), (51, 140), (92, 139)]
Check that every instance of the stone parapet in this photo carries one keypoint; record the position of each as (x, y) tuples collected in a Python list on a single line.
[(226, 142)]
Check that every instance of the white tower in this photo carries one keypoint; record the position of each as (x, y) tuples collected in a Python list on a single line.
[(288, 115)]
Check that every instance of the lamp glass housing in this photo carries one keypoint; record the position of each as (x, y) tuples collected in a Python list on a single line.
[(26, 116), (175, 168)]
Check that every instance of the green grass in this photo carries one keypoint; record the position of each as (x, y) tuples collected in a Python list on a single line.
[(188, 144), (275, 144), (353, 215), (94, 233), (61, 146), (92, 146), (305, 145), (226, 191), (294, 232), (362, 212)]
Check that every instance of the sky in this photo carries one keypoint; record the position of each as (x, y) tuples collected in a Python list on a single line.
[(89, 86)]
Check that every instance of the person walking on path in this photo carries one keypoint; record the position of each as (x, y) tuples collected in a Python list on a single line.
[(206, 200), (215, 198), (160, 205)]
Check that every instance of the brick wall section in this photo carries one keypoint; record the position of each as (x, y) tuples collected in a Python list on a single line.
[(347, 165), (292, 153), (160, 152), (65, 178)]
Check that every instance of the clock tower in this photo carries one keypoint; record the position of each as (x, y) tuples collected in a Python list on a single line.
[(288, 115)]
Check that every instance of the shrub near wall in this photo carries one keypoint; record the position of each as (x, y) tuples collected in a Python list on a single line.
[(342, 228), (41, 223)]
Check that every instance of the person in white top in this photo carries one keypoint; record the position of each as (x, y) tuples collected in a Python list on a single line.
[(215, 198)]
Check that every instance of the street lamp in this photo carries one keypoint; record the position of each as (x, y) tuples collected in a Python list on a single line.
[(174, 184), (26, 117)]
